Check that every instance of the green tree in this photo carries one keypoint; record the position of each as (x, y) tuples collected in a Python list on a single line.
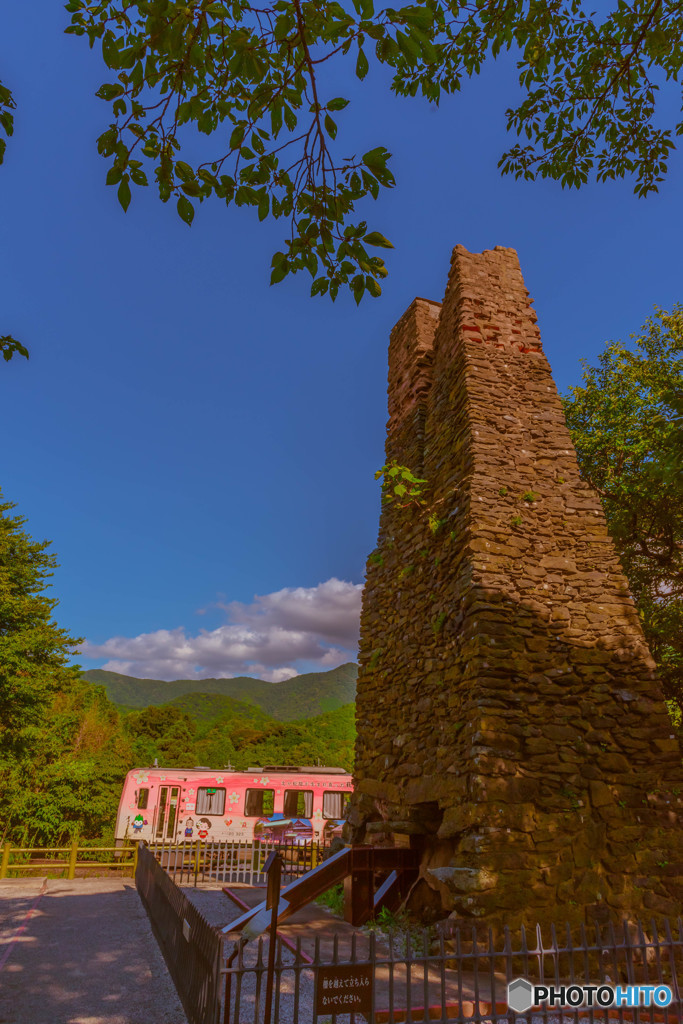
[(34, 651), (163, 732), (252, 79), (156, 721), (626, 424), (68, 784), (61, 756), (216, 749)]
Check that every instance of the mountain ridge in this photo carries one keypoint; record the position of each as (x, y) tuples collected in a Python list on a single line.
[(304, 696)]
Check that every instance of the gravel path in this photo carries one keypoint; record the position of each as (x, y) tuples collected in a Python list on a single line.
[(86, 955)]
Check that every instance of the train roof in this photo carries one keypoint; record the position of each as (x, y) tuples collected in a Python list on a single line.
[(306, 769), (301, 769)]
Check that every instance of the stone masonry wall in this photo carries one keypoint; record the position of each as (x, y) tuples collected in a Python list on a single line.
[(510, 723)]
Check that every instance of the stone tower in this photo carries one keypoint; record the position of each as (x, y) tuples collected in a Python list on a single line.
[(510, 723)]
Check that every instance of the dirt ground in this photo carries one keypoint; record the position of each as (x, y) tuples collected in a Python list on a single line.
[(86, 955)]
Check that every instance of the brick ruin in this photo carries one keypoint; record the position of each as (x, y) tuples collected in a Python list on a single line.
[(510, 723)]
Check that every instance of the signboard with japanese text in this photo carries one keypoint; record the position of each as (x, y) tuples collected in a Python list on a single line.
[(344, 988)]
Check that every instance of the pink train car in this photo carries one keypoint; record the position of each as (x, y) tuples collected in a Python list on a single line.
[(276, 802)]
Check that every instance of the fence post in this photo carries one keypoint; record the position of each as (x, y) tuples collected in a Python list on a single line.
[(196, 862), (4, 864), (273, 869), (73, 856), (135, 858)]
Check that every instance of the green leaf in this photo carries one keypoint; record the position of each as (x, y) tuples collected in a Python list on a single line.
[(376, 158), (337, 104), (10, 347), (320, 286), (290, 118), (124, 193), (138, 176), (185, 209), (110, 92), (184, 171), (276, 118), (375, 238), (279, 273), (237, 135), (110, 50), (361, 64)]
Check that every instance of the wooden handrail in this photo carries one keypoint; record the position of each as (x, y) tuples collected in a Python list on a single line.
[(356, 865), (303, 890)]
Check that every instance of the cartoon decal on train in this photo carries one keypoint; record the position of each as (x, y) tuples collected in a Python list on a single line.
[(276, 802)]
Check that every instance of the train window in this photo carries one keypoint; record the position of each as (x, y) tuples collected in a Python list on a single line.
[(298, 803), (143, 797), (335, 804), (210, 800), (259, 802)]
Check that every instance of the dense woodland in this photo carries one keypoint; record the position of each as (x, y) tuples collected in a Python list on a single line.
[(67, 739)]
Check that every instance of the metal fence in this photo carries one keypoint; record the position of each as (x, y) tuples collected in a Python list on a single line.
[(456, 977), (232, 863), (191, 947)]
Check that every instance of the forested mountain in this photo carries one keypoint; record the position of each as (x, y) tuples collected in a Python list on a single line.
[(215, 708), (302, 697)]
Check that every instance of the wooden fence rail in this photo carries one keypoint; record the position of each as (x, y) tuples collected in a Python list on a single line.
[(17, 860)]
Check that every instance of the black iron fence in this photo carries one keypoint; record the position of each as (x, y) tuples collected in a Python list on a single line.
[(191, 947), (631, 974), (231, 863), (462, 978)]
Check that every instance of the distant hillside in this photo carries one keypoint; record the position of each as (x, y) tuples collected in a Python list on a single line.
[(214, 708), (302, 697)]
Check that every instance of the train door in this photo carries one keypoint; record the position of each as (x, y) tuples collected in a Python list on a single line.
[(167, 812)]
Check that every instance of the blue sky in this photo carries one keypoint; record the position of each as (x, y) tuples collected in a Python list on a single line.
[(201, 447)]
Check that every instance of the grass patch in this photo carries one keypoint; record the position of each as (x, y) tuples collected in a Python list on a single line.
[(333, 899)]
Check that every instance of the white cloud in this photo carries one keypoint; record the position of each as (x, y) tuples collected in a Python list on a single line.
[(273, 638)]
